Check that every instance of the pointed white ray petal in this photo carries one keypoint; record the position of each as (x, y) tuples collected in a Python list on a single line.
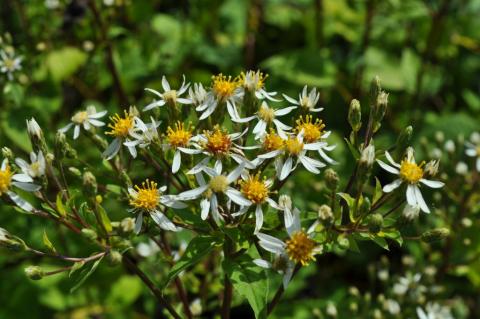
[(20, 202), (22, 178), (65, 128), (177, 160), (193, 193), (420, 200), (138, 223), (284, 111), (205, 208), (29, 187), (388, 168), (237, 197), (289, 99), (270, 243), (112, 149), (286, 169), (432, 184), (165, 84), (287, 276), (393, 185), (233, 175), (163, 221), (258, 219), (411, 198), (76, 132), (262, 263), (390, 159)]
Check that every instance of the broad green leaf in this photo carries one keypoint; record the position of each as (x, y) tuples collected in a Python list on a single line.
[(48, 243), (250, 282), (64, 62), (350, 202), (85, 273), (104, 219), (395, 235), (198, 248), (60, 207)]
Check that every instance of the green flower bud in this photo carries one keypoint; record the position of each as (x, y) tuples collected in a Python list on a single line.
[(75, 171), (34, 272), (8, 154), (90, 184), (375, 223), (325, 215), (380, 109), (375, 89), (367, 158), (343, 242), (355, 115), (90, 234), (127, 225), (403, 139), (331, 179), (435, 235), (114, 258)]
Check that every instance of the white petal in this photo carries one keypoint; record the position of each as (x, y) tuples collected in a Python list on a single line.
[(270, 243), (286, 169), (393, 185), (29, 187), (411, 198), (289, 99), (189, 150), (177, 160), (288, 217), (22, 178), (205, 206), (420, 200), (233, 176), (171, 201), (76, 132), (295, 226), (163, 221), (245, 119), (388, 168), (112, 149), (285, 111), (97, 115), (270, 154), (432, 184), (193, 193), (262, 263), (237, 197), (138, 223), (165, 85), (390, 159), (65, 128), (287, 276), (20, 202), (258, 219), (478, 164), (471, 152), (96, 122)]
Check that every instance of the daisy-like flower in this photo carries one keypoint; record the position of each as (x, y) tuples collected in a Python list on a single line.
[(473, 151), (306, 101), (121, 127), (179, 139), (22, 181), (412, 174), (218, 184), (9, 64), (300, 248), (257, 192), (434, 311), (37, 166), (169, 95), (197, 94), (224, 90), (148, 199), (266, 116), (87, 119), (254, 81), (143, 134), (313, 131), (295, 149)]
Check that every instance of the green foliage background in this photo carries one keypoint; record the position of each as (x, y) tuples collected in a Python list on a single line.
[(425, 52)]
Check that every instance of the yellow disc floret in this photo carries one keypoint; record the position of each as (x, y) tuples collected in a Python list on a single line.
[(147, 196), (120, 126), (312, 130), (5, 179), (80, 117), (224, 86), (218, 142), (265, 113), (254, 189), (272, 141), (219, 184), (300, 248), (411, 172), (179, 135), (293, 146)]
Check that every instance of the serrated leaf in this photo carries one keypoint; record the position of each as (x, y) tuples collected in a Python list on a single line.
[(60, 207), (85, 273), (76, 266), (250, 282), (48, 243), (104, 219), (197, 249)]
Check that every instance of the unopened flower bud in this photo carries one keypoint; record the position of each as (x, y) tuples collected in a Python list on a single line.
[(367, 157), (375, 89), (127, 224), (410, 212), (332, 310), (435, 235), (403, 140), (355, 115), (449, 146), (331, 179), (90, 234), (34, 130), (380, 109), (196, 307), (375, 223), (98, 199), (325, 215), (431, 168), (8, 154), (75, 171), (90, 184), (62, 148), (114, 258), (133, 111), (34, 272)]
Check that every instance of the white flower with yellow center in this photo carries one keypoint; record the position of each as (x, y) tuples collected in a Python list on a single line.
[(473, 151), (37, 166), (217, 185), (143, 134), (225, 90), (121, 128), (9, 64), (257, 192), (22, 181), (149, 199), (411, 173), (254, 81), (87, 119), (300, 248), (179, 138), (197, 94), (306, 101), (434, 311), (169, 95), (294, 149), (313, 131), (267, 116)]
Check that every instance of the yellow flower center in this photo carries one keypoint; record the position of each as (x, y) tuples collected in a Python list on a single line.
[(265, 113), (170, 96), (312, 131), (147, 197), (300, 248), (253, 80), (272, 141), (35, 167), (254, 189), (121, 126), (9, 64), (179, 135), (5, 179), (305, 102), (80, 117), (411, 172), (293, 146), (223, 86), (219, 184), (218, 141)]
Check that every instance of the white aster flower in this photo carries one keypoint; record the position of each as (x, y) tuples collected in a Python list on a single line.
[(37, 165), (9, 64), (197, 94), (434, 311), (313, 132), (169, 95), (121, 128), (22, 181), (218, 184), (254, 81), (142, 134), (306, 101), (299, 248), (87, 119), (267, 116), (473, 151), (147, 198), (412, 174), (405, 283), (34, 129), (179, 138)]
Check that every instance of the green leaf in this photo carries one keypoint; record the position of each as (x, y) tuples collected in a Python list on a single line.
[(353, 150), (85, 273), (378, 191), (118, 297), (60, 207), (380, 241), (197, 249), (64, 62), (250, 282), (350, 203), (394, 235), (48, 243), (104, 219), (76, 266)]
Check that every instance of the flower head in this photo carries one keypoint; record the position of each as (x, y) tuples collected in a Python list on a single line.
[(5, 179), (306, 101), (272, 141), (218, 141), (179, 135), (147, 196), (254, 189), (121, 126), (86, 118), (224, 87), (9, 64), (300, 248), (293, 145), (312, 130), (169, 95)]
